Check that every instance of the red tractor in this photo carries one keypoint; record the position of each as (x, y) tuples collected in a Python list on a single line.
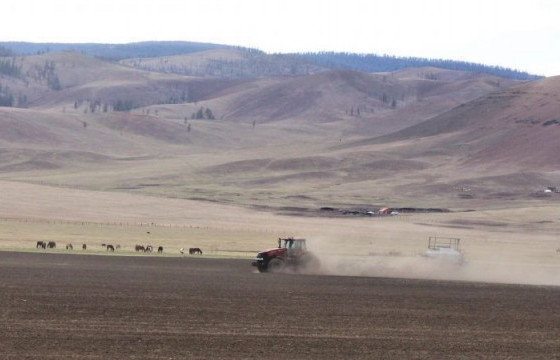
[(290, 253)]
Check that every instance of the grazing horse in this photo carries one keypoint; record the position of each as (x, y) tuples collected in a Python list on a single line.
[(138, 248), (69, 247), (41, 244), (149, 248), (84, 247), (110, 247), (194, 251), (51, 245), (160, 249)]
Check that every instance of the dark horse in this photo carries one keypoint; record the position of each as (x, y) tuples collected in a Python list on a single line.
[(139, 248), (110, 247), (194, 251), (41, 244), (51, 245), (160, 249)]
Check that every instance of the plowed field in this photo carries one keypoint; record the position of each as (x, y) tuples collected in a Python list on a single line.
[(58, 306)]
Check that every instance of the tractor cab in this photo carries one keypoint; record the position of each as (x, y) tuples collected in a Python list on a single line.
[(292, 244)]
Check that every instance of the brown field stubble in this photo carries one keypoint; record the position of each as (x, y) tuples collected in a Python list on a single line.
[(57, 306)]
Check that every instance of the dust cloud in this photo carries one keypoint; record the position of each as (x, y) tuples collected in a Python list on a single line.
[(420, 267)]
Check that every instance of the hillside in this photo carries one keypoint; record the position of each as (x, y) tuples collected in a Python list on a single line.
[(388, 63), (515, 126), (372, 104), (72, 80), (226, 63), (499, 148), (255, 63), (369, 102), (281, 143)]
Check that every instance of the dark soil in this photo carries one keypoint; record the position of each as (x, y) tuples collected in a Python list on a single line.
[(56, 306)]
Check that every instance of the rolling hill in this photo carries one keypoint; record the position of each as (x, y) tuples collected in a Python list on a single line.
[(80, 83), (518, 126), (365, 103), (69, 80), (248, 62), (414, 137), (226, 63)]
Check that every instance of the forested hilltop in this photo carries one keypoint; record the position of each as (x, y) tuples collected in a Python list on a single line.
[(114, 51), (387, 63), (254, 63)]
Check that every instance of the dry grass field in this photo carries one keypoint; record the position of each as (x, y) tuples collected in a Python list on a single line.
[(501, 245)]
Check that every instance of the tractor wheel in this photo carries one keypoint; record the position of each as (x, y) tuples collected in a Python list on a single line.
[(275, 265)]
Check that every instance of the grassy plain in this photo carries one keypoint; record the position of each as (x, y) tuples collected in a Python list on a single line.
[(501, 245)]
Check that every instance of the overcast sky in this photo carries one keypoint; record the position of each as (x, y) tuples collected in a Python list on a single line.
[(523, 35)]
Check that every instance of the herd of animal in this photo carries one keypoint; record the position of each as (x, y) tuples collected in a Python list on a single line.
[(46, 245), (112, 248), (148, 249)]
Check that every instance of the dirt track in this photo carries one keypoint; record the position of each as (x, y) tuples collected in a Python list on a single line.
[(57, 306)]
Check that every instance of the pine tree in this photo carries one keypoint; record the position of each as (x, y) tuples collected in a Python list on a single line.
[(208, 114)]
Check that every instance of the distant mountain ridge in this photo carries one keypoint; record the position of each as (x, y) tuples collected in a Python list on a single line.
[(115, 51), (388, 63), (325, 60)]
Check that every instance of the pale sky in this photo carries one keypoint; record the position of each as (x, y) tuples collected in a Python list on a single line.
[(520, 34)]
